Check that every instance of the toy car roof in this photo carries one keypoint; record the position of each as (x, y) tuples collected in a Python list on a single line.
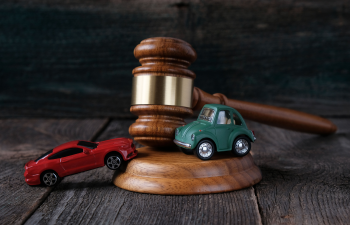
[(70, 144), (218, 106)]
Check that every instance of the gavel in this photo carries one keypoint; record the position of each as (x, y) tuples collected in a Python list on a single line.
[(163, 95)]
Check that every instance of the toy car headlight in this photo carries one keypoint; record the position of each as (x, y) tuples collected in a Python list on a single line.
[(192, 137), (177, 132)]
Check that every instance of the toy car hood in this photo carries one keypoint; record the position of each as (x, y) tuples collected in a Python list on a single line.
[(193, 127), (29, 164)]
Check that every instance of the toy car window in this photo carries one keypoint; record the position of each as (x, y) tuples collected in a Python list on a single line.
[(236, 120), (207, 114), (90, 145), (66, 152), (224, 117), (42, 156)]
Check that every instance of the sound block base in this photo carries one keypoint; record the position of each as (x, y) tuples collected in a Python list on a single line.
[(171, 172)]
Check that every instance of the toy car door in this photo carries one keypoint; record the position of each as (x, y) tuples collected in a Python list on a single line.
[(223, 128), (74, 160)]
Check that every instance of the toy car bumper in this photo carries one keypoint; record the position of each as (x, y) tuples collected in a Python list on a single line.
[(132, 154), (182, 144), (32, 179)]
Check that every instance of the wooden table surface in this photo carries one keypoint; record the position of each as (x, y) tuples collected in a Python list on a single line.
[(305, 181)]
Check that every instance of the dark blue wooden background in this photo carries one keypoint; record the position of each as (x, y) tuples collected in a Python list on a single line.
[(74, 58)]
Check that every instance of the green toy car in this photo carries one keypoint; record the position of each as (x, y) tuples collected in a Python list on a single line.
[(218, 128)]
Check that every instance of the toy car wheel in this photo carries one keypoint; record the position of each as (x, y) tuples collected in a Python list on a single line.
[(49, 178), (241, 146), (113, 161), (205, 149), (187, 151)]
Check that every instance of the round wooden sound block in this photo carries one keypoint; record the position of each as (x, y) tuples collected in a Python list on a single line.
[(172, 172)]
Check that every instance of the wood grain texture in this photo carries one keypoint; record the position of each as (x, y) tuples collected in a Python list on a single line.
[(74, 57), (164, 55), (306, 177), (91, 198), (157, 123), (22, 140), (171, 172)]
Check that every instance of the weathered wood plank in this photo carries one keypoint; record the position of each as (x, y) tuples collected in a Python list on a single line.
[(75, 57), (91, 197), (22, 140), (305, 177)]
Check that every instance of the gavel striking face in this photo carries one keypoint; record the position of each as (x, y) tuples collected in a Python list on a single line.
[(163, 95)]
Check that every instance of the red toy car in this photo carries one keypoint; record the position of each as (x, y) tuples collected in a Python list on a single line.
[(78, 156)]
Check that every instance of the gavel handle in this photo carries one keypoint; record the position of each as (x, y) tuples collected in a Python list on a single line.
[(271, 115)]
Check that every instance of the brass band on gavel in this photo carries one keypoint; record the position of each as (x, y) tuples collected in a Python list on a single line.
[(162, 90)]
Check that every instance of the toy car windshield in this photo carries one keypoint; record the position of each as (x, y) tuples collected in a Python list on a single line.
[(42, 156), (207, 114)]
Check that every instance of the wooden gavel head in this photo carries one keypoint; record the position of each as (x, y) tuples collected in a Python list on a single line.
[(162, 90), (163, 95)]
